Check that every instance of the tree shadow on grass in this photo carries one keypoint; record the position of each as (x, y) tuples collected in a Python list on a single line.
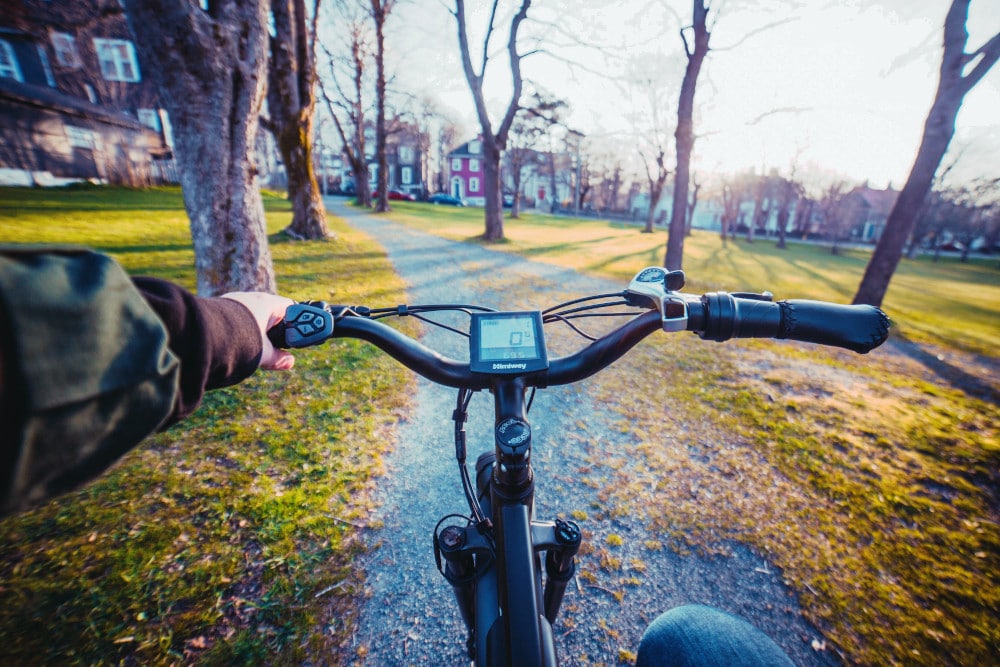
[(958, 378)]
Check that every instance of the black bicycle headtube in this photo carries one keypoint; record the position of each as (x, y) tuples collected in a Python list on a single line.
[(720, 316)]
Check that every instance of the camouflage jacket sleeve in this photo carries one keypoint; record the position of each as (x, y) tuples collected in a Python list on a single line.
[(91, 363)]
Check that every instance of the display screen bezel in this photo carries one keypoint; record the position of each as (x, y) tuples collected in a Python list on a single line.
[(501, 366)]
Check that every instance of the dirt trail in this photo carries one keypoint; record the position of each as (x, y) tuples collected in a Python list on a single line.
[(410, 617)]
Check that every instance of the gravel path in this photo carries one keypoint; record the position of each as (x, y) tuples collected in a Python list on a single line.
[(410, 617)]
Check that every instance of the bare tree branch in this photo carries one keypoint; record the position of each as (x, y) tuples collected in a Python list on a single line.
[(774, 112), (755, 32)]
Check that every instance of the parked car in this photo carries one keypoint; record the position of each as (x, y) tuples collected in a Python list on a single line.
[(445, 200), (396, 195)]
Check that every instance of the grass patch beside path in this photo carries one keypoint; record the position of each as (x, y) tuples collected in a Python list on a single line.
[(228, 539), (871, 481)]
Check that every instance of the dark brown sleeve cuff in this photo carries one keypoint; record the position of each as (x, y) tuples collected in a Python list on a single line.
[(217, 340)]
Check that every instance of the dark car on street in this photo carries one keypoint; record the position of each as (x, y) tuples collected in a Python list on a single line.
[(445, 200)]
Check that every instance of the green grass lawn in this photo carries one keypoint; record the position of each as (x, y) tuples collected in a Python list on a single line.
[(946, 302), (871, 481), (229, 538)]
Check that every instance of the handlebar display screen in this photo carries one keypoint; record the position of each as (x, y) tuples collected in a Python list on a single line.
[(507, 343)]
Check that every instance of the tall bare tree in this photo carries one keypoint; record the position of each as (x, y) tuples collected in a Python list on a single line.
[(347, 105), (211, 68), (788, 193), (649, 87), (291, 101), (685, 130), (380, 10), (839, 213), (692, 204), (493, 141), (960, 72)]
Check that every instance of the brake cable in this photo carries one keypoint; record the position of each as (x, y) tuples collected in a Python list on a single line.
[(461, 414)]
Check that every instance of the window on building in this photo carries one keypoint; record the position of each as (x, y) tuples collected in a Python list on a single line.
[(474, 146), (117, 59), (79, 137), (9, 69), (64, 45), (456, 164), (406, 154), (46, 67), (473, 165), (473, 185), (150, 118), (91, 93), (406, 175)]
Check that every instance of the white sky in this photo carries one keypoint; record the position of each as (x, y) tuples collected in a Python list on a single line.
[(860, 75)]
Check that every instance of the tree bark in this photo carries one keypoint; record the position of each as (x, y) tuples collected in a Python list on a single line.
[(784, 213), (685, 135), (380, 11), (938, 131), (211, 69), (292, 107), (656, 188), (692, 204)]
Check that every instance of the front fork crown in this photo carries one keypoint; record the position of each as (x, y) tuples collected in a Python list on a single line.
[(464, 554)]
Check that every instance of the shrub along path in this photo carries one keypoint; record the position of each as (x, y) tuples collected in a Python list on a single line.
[(626, 574)]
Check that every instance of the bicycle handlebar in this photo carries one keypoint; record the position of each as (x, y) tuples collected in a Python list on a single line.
[(716, 316)]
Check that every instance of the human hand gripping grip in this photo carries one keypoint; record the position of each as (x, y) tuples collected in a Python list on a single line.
[(305, 324)]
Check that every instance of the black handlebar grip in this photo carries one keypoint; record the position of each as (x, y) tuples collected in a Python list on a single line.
[(725, 316), (859, 328)]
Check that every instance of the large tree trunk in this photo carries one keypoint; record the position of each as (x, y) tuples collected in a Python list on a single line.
[(938, 131), (783, 215), (380, 10), (515, 207), (292, 107), (685, 135), (491, 188), (655, 193), (211, 72), (691, 207)]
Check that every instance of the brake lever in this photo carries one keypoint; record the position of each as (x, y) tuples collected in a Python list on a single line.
[(305, 324), (656, 288)]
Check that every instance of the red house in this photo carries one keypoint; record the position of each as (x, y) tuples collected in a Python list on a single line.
[(465, 168)]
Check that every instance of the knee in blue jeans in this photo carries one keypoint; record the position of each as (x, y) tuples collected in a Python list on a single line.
[(700, 636)]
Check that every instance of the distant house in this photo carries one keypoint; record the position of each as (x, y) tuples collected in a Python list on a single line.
[(465, 173), (466, 178), (73, 101), (537, 180), (404, 160), (870, 208)]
